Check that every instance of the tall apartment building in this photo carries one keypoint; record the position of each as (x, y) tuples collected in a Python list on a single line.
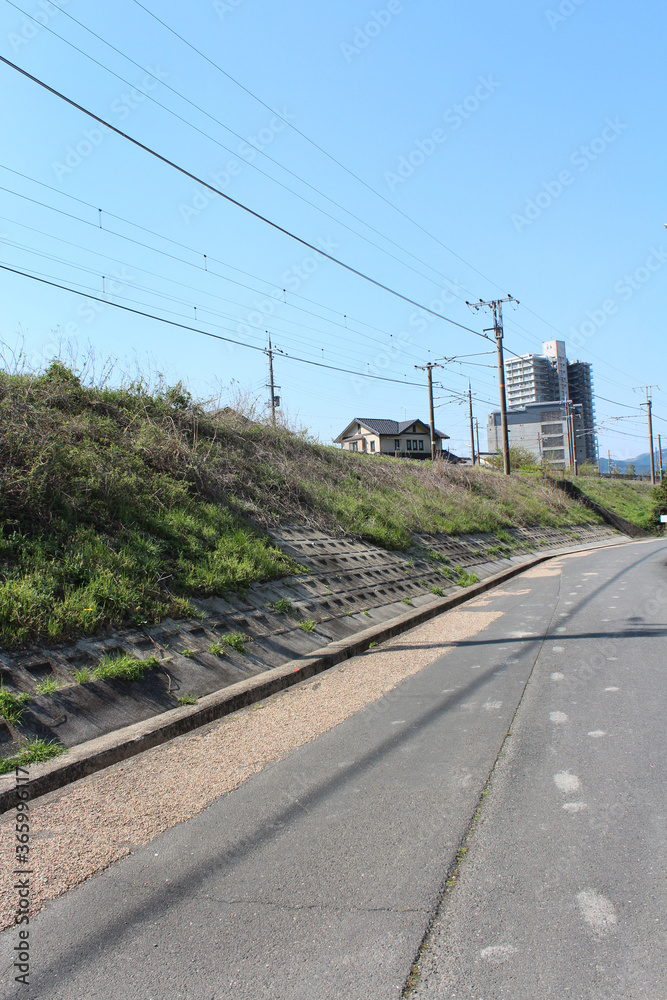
[(551, 378), (530, 379), (554, 351), (580, 387)]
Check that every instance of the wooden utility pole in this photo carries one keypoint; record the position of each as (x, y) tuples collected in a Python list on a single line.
[(429, 374), (477, 436), (495, 305), (472, 426)]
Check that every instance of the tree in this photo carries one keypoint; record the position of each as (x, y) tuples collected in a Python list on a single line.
[(520, 458)]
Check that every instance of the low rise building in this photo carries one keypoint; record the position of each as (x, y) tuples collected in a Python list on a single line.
[(549, 431), (404, 439)]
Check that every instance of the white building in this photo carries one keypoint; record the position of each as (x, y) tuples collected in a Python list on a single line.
[(544, 430)]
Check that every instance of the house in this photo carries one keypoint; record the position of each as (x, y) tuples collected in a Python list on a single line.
[(405, 439)]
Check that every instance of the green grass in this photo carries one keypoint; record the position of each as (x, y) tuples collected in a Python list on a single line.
[(632, 500), (35, 752), (283, 605), (307, 625), (465, 579), (406, 600), (188, 653), (233, 640), (122, 667), (48, 686), (438, 591), (187, 699), (11, 705), (120, 506)]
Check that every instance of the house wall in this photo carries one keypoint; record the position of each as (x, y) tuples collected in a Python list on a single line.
[(388, 444)]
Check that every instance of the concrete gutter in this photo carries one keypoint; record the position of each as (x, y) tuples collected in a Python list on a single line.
[(124, 743)]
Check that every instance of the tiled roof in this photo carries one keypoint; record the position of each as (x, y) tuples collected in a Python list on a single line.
[(392, 426)]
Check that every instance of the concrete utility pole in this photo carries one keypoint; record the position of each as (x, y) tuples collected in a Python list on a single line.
[(429, 373), (649, 406), (273, 399), (477, 436), (572, 437), (495, 305), (472, 431)]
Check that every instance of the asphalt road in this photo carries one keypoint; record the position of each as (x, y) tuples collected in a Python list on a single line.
[(320, 876)]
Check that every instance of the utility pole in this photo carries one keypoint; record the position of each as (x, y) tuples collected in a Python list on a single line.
[(472, 431), (649, 406), (477, 436), (495, 305), (597, 448), (273, 399), (571, 437), (428, 368)]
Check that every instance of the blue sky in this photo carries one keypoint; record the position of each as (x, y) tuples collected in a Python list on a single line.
[(450, 152)]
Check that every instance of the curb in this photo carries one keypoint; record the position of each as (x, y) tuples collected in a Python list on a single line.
[(97, 754)]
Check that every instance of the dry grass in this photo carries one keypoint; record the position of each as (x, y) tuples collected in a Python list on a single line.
[(120, 504)]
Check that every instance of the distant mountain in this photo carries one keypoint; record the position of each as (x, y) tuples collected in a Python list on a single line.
[(642, 463)]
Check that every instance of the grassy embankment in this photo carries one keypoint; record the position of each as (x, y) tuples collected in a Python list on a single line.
[(635, 501), (119, 506)]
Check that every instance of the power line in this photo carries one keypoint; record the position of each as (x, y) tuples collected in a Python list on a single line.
[(236, 135), (238, 204), (206, 333), (162, 277), (205, 257)]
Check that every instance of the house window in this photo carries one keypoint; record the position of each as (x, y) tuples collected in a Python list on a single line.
[(372, 445), (353, 446), (421, 445), (414, 446), (397, 444), (409, 445)]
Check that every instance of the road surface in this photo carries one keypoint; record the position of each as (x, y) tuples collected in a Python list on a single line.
[(324, 875)]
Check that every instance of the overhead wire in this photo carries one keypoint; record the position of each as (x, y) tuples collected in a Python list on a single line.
[(205, 333), (228, 150), (245, 208)]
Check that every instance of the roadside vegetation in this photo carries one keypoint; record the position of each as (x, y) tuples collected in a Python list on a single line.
[(633, 500), (35, 752), (121, 505)]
